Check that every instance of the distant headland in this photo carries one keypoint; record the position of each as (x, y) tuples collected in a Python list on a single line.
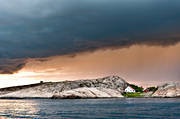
[(107, 87)]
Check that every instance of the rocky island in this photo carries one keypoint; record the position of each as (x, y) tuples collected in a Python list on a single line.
[(111, 86), (168, 90), (107, 87)]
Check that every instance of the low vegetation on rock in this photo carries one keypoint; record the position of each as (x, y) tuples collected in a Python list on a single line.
[(153, 89), (136, 94), (136, 88)]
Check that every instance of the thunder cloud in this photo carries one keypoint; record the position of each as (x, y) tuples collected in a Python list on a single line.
[(43, 28)]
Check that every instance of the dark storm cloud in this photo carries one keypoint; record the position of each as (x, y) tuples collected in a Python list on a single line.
[(42, 28), (11, 66)]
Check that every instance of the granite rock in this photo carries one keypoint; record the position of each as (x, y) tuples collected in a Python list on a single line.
[(168, 90), (101, 87)]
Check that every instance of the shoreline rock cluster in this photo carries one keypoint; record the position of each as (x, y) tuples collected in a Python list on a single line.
[(168, 90)]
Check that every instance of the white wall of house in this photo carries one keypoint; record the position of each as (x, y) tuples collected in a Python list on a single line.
[(129, 90)]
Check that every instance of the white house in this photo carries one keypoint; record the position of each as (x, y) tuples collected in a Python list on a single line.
[(129, 89)]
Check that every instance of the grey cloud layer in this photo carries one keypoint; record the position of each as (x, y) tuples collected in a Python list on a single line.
[(42, 28), (10, 66)]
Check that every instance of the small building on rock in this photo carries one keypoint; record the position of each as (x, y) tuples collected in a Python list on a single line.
[(129, 89)]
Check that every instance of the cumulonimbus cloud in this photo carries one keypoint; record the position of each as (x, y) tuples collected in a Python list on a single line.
[(44, 28)]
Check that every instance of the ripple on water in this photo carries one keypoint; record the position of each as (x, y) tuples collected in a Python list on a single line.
[(91, 108)]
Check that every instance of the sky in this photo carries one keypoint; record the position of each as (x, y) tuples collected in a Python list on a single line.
[(55, 40)]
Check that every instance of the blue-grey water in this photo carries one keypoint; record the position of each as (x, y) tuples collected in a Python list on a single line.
[(156, 108)]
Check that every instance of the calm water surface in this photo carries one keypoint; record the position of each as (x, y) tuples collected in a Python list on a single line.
[(91, 108)]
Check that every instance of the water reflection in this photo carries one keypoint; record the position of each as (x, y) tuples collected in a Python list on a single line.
[(18, 109), (91, 108)]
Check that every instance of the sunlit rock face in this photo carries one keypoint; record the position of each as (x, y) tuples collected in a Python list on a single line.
[(168, 90), (110, 86), (88, 93)]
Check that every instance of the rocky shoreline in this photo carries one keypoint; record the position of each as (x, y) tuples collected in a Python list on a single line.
[(168, 90), (107, 87)]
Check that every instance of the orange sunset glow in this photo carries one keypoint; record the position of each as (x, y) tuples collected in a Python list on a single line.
[(140, 64)]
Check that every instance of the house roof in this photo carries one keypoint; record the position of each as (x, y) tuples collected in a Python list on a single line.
[(131, 87)]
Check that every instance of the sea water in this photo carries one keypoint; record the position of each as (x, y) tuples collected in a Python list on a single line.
[(118, 108)]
